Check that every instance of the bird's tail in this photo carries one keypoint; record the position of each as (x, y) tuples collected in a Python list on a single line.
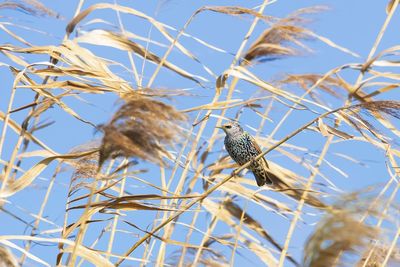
[(262, 174), (264, 178), (296, 191), (281, 184)]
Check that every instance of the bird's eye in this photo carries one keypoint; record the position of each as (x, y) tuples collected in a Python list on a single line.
[(228, 126)]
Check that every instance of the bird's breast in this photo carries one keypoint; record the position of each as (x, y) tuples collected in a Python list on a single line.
[(240, 148)]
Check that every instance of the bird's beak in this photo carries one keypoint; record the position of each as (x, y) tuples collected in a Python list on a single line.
[(220, 127)]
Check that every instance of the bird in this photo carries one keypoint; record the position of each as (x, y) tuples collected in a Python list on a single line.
[(242, 148)]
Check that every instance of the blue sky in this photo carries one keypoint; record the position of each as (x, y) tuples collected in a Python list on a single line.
[(352, 24)]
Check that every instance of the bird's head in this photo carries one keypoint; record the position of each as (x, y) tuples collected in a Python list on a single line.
[(231, 128)]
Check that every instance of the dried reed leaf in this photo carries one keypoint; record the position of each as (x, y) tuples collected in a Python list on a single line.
[(332, 44), (375, 109), (208, 257), (237, 212), (217, 105), (51, 99), (36, 153), (295, 191), (111, 39), (81, 61), (16, 59), (141, 128), (384, 89), (32, 7), (24, 251), (266, 202), (119, 200), (322, 128), (168, 240), (16, 37), (235, 11), (338, 133), (160, 26), (327, 130), (305, 81), (388, 107), (17, 129), (86, 217), (213, 262), (243, 74), (247, 239), (29, 176), (74, 85), (90, 255), (222, 239), (105, 206)]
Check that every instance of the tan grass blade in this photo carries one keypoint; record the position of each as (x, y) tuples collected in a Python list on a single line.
[(15, 36), (29, 255), (223, 215), (161, 27), (266, 202), (29, 176), (237, 212), (33, 7), (106, 38), (17, 129), (235, 11), (88, 254)]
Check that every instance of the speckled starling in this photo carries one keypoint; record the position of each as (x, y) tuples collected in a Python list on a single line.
[(242, 147)]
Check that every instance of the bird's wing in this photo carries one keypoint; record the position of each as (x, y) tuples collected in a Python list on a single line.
[(258, 149), (268, 175)]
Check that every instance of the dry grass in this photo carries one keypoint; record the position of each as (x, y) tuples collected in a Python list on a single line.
[(278, 40), (340, 237), (7, 259), (157, 188), (139, 129), (33, 7)]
